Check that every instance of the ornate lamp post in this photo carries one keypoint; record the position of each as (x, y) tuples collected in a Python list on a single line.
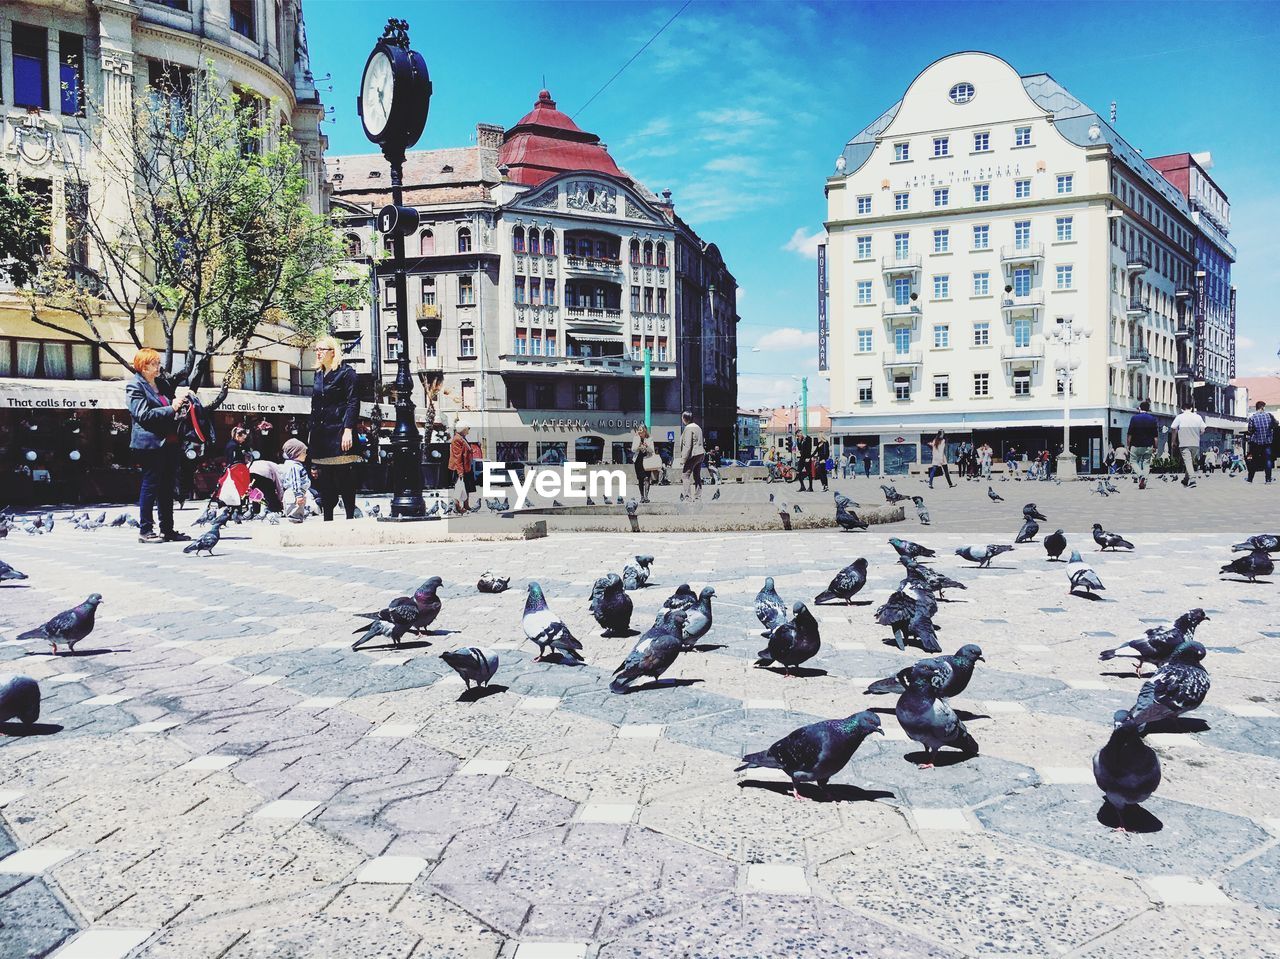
[(1068, 335), (395, 95)]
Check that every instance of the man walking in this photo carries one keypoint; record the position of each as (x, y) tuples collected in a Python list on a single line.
[(692, 453), (1260, 432), (804, 460), (1188, 426), (1143, 430)]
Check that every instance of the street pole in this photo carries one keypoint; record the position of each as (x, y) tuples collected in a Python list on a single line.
[(648, 388), (804, 402), (406, 443), (1068, 335)]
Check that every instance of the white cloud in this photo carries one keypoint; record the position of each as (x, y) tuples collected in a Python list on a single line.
[(1244, 343), (764, 390), (787, 338), (805, 244)]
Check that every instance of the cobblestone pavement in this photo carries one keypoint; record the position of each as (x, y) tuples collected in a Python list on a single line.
[(216, 774)]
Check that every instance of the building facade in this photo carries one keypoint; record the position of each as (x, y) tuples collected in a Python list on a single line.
[(975, 217), (539, 277), (60, 396)]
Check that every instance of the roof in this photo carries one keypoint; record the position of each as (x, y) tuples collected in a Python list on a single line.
[(1265, 388), (785, 416), (546, 142), (448, 175)]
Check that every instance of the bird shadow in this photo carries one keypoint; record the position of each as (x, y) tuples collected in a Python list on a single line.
[(1247, 582), (838, 792), (1093, 597), (853, 602), (32, 729), (1136, 819), (477, 693), (943, 599), (709, 647), (76, 653), (415, 644), (1178, 724), (966, 716), (800, 672), (14, 586), (661, 684), (882, 710), (620, 633), (995, 567), (1054, 559), (948, 758), (1128, 675)]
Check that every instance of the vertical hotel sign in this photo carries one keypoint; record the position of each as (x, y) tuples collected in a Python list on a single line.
[(822, 306)]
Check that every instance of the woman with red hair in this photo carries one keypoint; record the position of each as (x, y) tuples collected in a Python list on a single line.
[(155, 411)]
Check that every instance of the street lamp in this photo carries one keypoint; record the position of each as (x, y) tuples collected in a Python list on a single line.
[(1067, 334)]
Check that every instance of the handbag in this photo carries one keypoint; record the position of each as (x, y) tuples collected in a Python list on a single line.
[(651, 463)]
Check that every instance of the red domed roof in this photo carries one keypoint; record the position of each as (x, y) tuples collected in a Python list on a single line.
[(546, 142)]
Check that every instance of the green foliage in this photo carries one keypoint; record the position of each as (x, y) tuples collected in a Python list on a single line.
[(24, 229)]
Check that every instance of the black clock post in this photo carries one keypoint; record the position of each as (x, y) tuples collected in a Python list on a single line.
[(395, 95)]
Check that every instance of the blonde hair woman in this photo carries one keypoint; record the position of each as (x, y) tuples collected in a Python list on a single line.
[(642, 447), (335, 409)]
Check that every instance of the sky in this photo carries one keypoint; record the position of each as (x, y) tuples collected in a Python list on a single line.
[(740, 109)]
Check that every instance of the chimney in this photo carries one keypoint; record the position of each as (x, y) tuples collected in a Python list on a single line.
[(1113, 112), (489, 136)]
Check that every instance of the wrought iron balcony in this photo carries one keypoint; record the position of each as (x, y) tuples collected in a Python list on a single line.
[(1136, 307), (1137, 260), (1184, 371), (1138, 357), (428, 311), (1184, 330)]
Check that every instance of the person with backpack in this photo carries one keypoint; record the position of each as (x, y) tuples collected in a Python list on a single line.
[(1143, 430), (1260, 434)]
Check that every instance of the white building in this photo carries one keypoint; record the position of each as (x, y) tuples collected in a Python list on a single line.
[(971, 219)]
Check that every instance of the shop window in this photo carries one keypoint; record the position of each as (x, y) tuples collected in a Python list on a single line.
[(586, 396), (588, 449)]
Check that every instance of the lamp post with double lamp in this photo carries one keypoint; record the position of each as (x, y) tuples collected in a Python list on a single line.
[(1068, 334)]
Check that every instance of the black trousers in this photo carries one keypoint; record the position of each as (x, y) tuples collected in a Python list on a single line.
[(642, 478), (159, 475), (336, 482)]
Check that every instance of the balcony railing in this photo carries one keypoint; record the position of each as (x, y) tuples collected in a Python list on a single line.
[(1184, 371), (1137, 260), (1032, 352), (910, 358), (901, 264), (1022, 253), (893, 310), (1136, 307), (1183, 330), (593, 264), (428, 311), (602, 314), (1032, 300), (1139, 356)]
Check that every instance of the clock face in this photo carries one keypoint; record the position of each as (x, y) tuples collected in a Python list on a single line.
[(376, 93)]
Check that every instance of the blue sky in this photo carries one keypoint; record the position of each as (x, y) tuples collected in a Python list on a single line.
[(741, 108)]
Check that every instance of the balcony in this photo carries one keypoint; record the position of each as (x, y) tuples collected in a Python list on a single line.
[(1022, 253), (1031, 354), (1136, 307), (428, 311), (1138, 357), (900, 314), (1183, 294), (1137, 261), (1183, 330), (900, 265), (593, 266), (1184, 372), (1030, 302), (594, 314), (894, 359), (348, 321)]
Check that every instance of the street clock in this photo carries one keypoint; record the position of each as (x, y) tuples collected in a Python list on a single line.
[(395, 92)]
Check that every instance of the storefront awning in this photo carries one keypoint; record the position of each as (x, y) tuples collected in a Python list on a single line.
[(72, 395), (595, 337)]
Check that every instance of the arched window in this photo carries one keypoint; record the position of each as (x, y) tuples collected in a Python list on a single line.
[(426, 243), (648, 253), (662, 254), (464, 240), (635, 251), (352, 244), (517, 240), (549, 242), (535, 243)]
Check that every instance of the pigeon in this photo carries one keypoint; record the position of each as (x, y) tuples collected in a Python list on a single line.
[(1109, 540), (956, 671), (1055, 544), (908, 548), (20, 699), (770, 609), (1101, 490), (1030, 512), (1178, 687), (891, 495), (682, 598), (358, 514), (796, 509), (994, 496), (435, 508), (637, 577), (815, 753), (697, 621), (70, 626), (770, 497), (383, 629), (473, 664), (1258, 563), (909, 613), (613, 609), (99, 521), (1265, 541), (934, 581), (1110, 487), (715, 495), (982, 555), (632, 505), (1157, 644), (546, 630), (1126, 769), (792, 642), (842, 500), (590, 501), (929, 719), (846, 583), (7, 572), (848, 520), (492, 583), (1081, 575), (922, 511), (415, 612), (1030, 528), (376, 511), (557, 504), (597, 590), (653, 653), (206, 542)]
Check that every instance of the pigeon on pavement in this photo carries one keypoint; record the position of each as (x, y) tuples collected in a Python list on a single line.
[(1030, 512), (1055, 544), (909, 613), (891, 494), (653, 653), (697, 621), (994, 496), (793, 642), (637, 577), (70, 626), (473, 664), (383, 629), (982, 555), (715, 495), (956, 671), (921, 510), (1126, 769), (1266, 541), (1109, 540), (207, 541), (1258, 563), (1178, 687), (907, 548), (934, 581), (20, 699), (1030, 529), (815, 753), (632, 505), (682, 598), (846, 583), (770, 608), (846, 518), (547, 630), (1081, 575), (493, 583), (1101, 490), (415, 612), (8, 572), (929, 719), (613, 609), (1157, 644)]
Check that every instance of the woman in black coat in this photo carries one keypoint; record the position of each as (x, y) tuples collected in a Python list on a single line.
[(335, 408)]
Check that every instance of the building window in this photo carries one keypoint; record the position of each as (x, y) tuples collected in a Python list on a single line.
[(535, 345), (982, 283), (1022, 136), (635, 299), (864, 391), (900, 201), (466, 291), (1022, 281), (941, 336), (389, 294), (47, 359), (864, 341), (662, 301), (942, 241), (464, 240), (902, 387), (942, 286), (901, 290), (981, 384), (427, 243), (981, 192), (242, 18), (902, 151), (662, 349), (517, 239), (1021, 382), (648, 299), (961, 93), (71, 73), (519, 285), (1022, 332), (982, 237), (981, 334), (535, 243), (864, 292), (864, 205), (981, 142), (648, 253), (1065, 277), (864, 247), (466, 343), (901, 245), (1064, 229), (941, 196), (1021, 189), (77, 199), (941, 386), (942, 146), (1065, 183), (429, 290), (1022, 234), (535, 291), (522, 342), (549, 293), (548, 243), (633, 251), (902, 340), (393, 346), (586, 396), (662, 254), (30, 67), (431, 347)]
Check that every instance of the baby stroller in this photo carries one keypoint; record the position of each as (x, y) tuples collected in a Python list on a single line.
[(238, 492)]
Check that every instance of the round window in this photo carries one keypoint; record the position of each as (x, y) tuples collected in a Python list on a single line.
[(961, 93)]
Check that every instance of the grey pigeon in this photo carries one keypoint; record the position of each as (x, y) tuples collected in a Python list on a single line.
[(632, 506), (381, 629), (492, 583), (934, 581), (597, 590), (207, 541), (1126, 769), (1109, 540), (770, 609), (1266, 541), (1055, 544), (994, 496), (909, 613), (1030, 512), (653, 653), (922, 511), (1179, 687), (8, 572), (637, 577), (697, 621), (20, 699), (70, 626), (929, 719), (845, 584), (796, 509), (613, 609), (1081, 575), (982, 555), (846, 518), (891, 494), (1157, 644), (556, 503), (956, 670), (546, 630), (815, 753), (682, 598), (1029, 531), (793, 642), (1101, 490), (907, 548), (715, 495), (842, 500), (1258, 563), (473, 664), (415, 612)]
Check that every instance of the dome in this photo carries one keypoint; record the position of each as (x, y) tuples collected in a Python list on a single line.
[(546, 142)]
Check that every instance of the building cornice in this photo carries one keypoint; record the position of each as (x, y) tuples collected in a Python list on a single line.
[(971, 213), (205, 47)]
